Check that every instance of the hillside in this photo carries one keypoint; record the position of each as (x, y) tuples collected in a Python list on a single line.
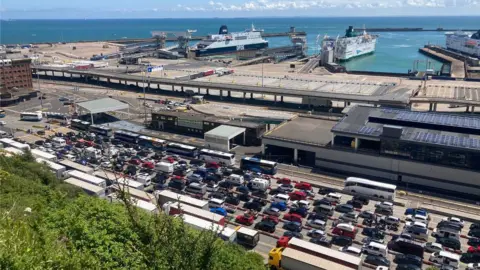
[(45, 224)]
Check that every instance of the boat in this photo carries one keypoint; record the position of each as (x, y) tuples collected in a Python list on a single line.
[(352, 45), (228, 43), (464, 42)]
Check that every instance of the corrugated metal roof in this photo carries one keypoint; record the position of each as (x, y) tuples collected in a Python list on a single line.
[(225, 131), (103, 105)]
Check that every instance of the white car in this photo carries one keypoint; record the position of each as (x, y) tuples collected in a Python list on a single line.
[(316, 223), (433, 247), (417, 218), (390, 220), (454, 220), (3, 123), (316, 233), (47, 145), (473, 266), (301, 203), (106, 164), (351, 250), (416, 224), (384, 205)]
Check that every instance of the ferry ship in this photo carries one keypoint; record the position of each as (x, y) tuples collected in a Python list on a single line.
[(352, 45), (226, 43), (464, 42)]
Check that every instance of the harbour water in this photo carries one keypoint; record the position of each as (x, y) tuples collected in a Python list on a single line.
[(396, 51)]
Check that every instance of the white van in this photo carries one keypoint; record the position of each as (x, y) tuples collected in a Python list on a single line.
[(58, 142), (334, 197), (281, 198), (260, 184), (236, 179), (216, 203), (164, 167), (197, 188), (374, 248), (417, 232), (446, 232), (445, 257)]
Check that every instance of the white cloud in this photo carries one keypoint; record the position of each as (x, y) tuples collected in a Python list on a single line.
[(272, 5)]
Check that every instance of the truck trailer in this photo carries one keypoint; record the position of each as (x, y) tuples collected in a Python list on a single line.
[(292, 259)]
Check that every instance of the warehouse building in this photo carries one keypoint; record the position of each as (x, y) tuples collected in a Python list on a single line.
[(194, 124), (410, 149)]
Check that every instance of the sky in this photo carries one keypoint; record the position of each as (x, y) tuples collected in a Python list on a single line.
[(62, 9)]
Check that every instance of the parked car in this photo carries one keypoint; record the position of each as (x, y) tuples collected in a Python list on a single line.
[(219, 211), (300, 211), (401, 258), (407, 267), (317, 223), (293, 234), (316, 233), (433, 247), (323, 201), (279, 205), (272, 211), (245, 219), (293, 217), (273, 219), (344, 208), (377, 260), (231, 199), (474, 242), (340, 240), (253, 206), (303, 185), (367, 214), (450, 243), (266, 226), (322, 241), (292, 226)]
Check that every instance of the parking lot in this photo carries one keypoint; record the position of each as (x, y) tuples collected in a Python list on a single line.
[(139, 162)]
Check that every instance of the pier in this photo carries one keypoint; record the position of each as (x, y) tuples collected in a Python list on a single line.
[(457, 67)]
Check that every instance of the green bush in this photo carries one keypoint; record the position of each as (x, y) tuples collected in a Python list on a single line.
[(45, 224)]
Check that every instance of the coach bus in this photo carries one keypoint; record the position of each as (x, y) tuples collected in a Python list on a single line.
[(79, 124), (101, 130), (370, 188), (217, 156), (31, 116), (181, 149), (258, 165), (126, 136), (150, 142)]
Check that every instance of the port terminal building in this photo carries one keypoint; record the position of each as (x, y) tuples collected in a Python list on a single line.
[(414, 150)]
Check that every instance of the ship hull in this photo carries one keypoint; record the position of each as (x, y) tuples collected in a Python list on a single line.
[(464, 45), (230, 49), (354, 48)]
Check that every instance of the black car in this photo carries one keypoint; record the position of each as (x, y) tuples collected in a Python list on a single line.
[(383, 211), (243, 197), (260, 194), (293, 234), (325, 190), (232, 200), (364, 200), (449, 242), (177, 184), (449, 225), (314, 216), (322, 202), (342, 241), (277, 190), (266, 226), (377, 260), (217, 195), (474, 233), (260, 201), (292, 226), (243, 189), (300, 211), (355, 203), (408, 267), (367, 215), (475, 226), (225, 185), (373, 232), (197, 162), (470, 258), (408, 259), (323, 241), (39, 142), (344, 208), (253, 206), (474, 242)]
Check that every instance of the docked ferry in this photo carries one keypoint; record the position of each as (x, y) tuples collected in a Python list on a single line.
[(352, 45), (464, 42), (226, 43)]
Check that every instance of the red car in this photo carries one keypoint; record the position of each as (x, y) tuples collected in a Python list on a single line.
[(303, 185), (148, 165), (89, 143), (293, 217), (169, 160), (245, 219), (212, 165), (273, 219), (135, 161), (283, 241), (473, 250), (285, 181), (297, 196)]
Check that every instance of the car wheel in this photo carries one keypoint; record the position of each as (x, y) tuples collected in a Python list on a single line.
[(353, 191), (381, 197)]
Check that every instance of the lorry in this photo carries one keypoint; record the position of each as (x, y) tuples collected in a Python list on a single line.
[(165, 196), (88, 178), (43, 155), (175, 208), (57, 169)]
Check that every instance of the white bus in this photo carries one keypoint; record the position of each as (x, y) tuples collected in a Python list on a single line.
[(14, 144), (370, 188), (120, 178), (31, 116), (217, 156), (182, 149), (101, 130)]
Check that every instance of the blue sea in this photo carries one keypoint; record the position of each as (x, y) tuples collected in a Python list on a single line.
[(396, 51)]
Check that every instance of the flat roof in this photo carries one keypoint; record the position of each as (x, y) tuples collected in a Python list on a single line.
[(224, 132), (303, 129), (418, 127), (103, 105)]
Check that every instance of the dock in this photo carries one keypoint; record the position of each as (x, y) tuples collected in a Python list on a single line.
[(457, 67), (414, 29)]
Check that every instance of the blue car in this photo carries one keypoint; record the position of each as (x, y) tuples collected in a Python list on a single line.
[(279, 205), (414, 211), (219, 211)]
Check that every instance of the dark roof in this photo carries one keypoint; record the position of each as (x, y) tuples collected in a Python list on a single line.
[(182, 115), (418, 127), (308, 130)]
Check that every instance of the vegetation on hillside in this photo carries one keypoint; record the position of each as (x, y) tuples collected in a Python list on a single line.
[(45, 224)]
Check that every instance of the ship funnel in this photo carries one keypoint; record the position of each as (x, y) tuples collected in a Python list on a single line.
[(223, 30)]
